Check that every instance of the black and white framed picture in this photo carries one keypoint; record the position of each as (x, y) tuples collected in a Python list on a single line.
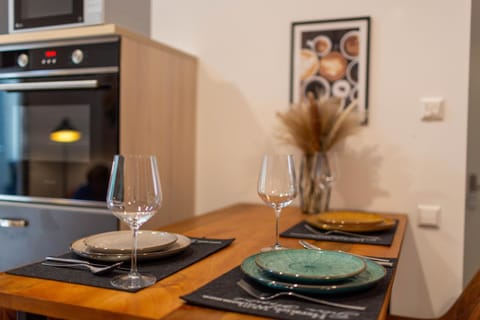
[(330, 58)]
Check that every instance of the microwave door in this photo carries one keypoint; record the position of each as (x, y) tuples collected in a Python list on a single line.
[(30, 15), (27, 15)]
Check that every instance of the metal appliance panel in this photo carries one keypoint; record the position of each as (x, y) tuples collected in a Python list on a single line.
[(30, 233)]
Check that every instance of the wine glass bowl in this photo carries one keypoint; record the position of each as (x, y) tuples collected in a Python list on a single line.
[(277, 201), (277, 187), (134, 195)]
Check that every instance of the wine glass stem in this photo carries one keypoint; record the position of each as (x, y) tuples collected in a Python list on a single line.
[(133, 264), (277, 218)]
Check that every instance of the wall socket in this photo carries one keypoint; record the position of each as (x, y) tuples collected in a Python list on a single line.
[(432, 108), (429, 216)]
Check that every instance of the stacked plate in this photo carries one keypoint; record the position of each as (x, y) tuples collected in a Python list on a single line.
[(117, 245), (312, 271), (350, 221)]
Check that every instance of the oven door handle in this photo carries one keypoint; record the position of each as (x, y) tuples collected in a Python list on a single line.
[(13, 223), (50, 85)]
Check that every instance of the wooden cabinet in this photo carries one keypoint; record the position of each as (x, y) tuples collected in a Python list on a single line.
[(157, 115), (157, 109)]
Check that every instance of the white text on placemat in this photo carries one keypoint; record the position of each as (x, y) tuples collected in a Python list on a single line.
[(287, 309)]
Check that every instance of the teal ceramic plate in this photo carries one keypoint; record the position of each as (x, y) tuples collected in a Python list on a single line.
[(312, 266), (366, 279)]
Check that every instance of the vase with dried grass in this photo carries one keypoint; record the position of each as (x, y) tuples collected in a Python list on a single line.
[(315, 127)]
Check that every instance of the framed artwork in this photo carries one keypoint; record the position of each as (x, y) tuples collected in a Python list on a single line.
[(330, 58)]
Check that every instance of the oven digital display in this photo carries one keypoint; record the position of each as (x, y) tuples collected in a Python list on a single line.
[(50, 54)]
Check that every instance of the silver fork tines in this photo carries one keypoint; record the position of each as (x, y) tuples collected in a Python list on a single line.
[(267, 296), (381, 261), (345, 233)]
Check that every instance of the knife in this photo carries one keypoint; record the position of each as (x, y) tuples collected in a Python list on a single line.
[(71, 261)]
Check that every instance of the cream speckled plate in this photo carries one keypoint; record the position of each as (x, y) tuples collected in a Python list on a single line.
[(121, 241), (182, 243)]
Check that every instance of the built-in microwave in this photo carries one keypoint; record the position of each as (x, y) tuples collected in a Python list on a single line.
[(30, 15)]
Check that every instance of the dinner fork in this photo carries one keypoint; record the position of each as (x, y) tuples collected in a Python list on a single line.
[(92, 269), (345, 233), (269, 296), (383, 262), (75, 261)]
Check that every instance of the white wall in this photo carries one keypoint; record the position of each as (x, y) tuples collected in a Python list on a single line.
[(418, 48)]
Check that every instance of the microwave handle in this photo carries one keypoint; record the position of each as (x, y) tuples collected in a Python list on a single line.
[(50, 85)]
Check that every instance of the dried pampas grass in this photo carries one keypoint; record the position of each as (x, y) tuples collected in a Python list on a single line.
[(318, 125)]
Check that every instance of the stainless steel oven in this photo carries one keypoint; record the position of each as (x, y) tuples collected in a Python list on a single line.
[(59, 120)]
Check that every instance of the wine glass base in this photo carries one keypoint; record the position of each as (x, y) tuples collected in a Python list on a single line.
[(135, 281)]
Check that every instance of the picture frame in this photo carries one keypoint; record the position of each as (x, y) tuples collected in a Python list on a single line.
[(331, 58)]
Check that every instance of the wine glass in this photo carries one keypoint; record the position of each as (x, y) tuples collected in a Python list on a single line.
[(134, 194), (277, 187)]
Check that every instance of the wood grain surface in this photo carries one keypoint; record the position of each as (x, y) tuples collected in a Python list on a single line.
[(252, 226)]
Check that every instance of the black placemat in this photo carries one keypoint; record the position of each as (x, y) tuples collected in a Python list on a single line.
[(161, 268), (385, 238), (224, 294)]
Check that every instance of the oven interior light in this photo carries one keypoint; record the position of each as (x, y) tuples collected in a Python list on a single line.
[(65, 132)]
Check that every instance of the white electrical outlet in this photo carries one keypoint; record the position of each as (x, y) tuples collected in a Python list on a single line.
[(429, 216), (432, 108)]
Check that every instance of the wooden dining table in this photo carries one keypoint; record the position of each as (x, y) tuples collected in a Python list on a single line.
[(252, 226)]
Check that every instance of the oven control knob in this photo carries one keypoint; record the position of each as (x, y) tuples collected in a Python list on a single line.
[(77, 56), (22, 60)]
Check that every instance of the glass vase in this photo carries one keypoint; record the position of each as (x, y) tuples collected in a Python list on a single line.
[(314, 186)]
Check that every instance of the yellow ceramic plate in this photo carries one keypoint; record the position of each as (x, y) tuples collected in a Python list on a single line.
[(385, 225), (349, 218)]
